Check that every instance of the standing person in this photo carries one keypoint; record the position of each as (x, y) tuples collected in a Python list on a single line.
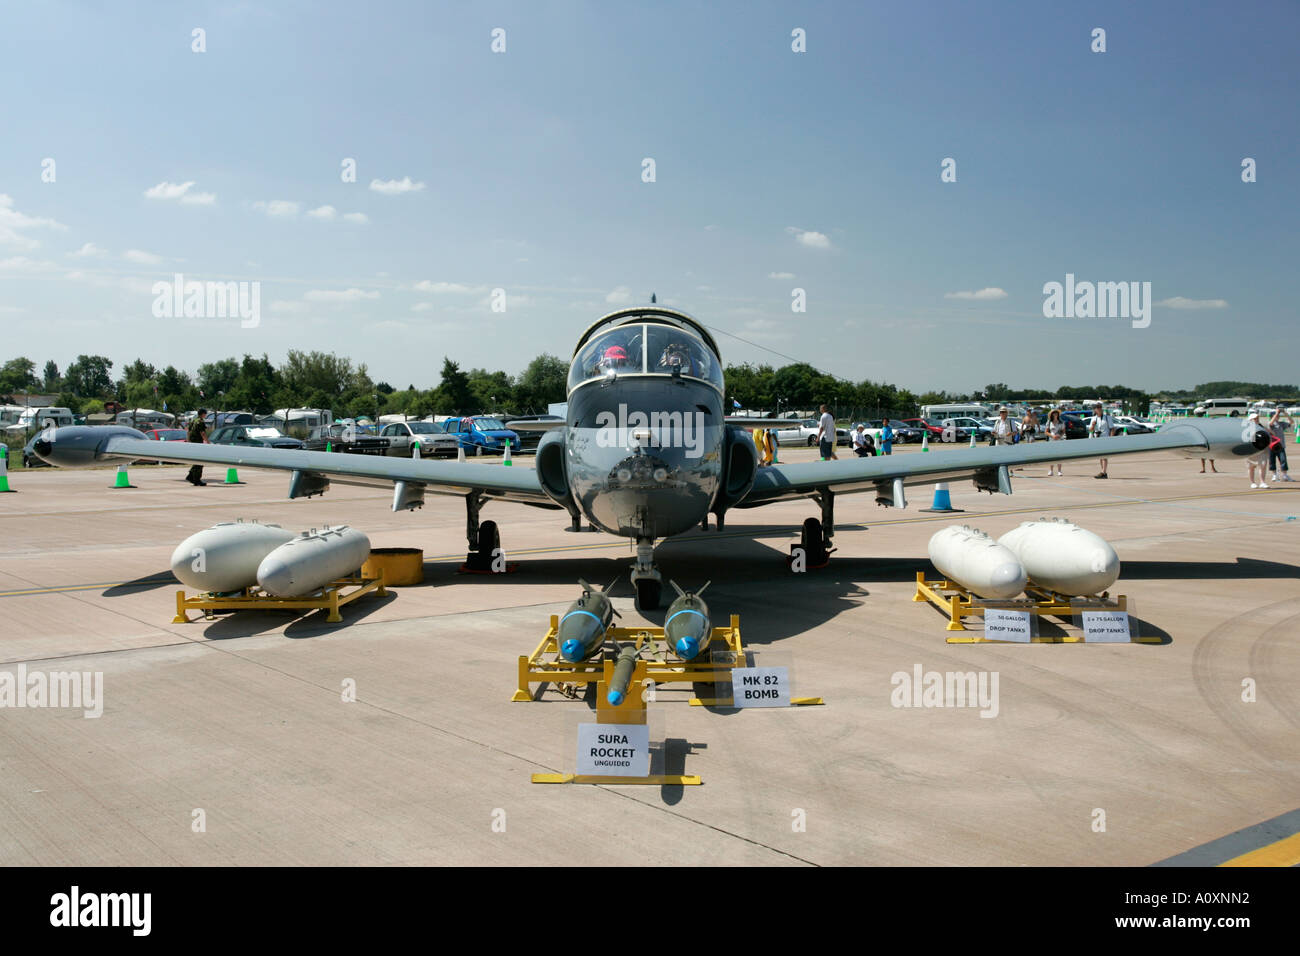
[(760, 445), (1258, 460), (1055, 432), (1277, 448), (1004, 430), (199, 435), (886, 437), (1212, 468), (1101, 426), (826, 436)]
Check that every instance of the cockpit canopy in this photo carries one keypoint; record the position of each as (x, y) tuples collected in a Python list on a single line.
[(644, 348)]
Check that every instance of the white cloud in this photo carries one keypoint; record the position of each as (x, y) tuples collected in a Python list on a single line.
[(167, 191), (780, 275), (387, 325), (359, 218), (11, 221), (281, 305), (620, 296), (331, 295), (141, 257), (89, 250), (1178, 302), (422, 307), (279, 208), (805, 237), (23, 264), (424, 285), (395, 187), (983, 295), (323, 213)]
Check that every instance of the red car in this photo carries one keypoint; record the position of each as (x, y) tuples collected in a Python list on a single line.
[(162, 434), (936, 431)]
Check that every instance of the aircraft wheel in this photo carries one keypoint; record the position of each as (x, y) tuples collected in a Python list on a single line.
[(810, 539), (647, 594), (489, 540)]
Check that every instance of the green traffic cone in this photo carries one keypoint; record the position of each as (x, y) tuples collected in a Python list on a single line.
[(329, 447), (232, 477), (4, 469), (507, 462), (121, 481)]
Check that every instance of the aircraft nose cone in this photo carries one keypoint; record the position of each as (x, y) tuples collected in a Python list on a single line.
[(42, 446), (571, 650), (687, 648)]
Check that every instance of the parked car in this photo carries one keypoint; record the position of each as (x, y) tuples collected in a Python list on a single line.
[(903, 433), (805, 433), (981, 430), (161, 434), (935, 432), (255, 436), (1132, 426), (29, 456), (400, 437), (1076, 424), (347, 439), (479, 434)]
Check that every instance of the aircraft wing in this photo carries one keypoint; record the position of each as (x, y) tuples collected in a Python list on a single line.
[(543, 423), (985, 465), (437, 477)]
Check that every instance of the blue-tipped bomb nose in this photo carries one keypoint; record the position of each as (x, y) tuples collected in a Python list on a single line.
[(571, 650), (615, 697), (687, 648)]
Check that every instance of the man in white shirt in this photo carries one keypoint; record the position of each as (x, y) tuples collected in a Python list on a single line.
[(1004, 429), (826, 436), (1100, 426)]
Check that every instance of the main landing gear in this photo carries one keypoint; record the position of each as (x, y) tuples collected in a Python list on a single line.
[(484, 539), (815, 536)]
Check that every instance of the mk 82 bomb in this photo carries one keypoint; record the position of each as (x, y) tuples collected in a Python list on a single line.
[(582, 629), (687, 627)]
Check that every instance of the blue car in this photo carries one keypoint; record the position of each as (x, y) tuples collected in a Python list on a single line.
[(481, 434)]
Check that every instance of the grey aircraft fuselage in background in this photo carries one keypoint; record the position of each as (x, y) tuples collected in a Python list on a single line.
[(646, 452)]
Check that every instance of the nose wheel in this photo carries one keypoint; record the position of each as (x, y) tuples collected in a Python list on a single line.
[(645, 576), (648, 592)]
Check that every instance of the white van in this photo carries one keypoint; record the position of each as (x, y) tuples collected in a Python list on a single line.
[(306, 417), (1223, 407), (34, 418), (960, 410), (146, 419)]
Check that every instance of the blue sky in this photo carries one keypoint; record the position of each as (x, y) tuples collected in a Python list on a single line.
[(775, 170)]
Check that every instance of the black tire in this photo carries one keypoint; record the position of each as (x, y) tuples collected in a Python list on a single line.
[(489, 541), (648, 592), (810, 539), (812, 440)]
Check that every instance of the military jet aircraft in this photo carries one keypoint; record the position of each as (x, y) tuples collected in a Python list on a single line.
[(646, 452)]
